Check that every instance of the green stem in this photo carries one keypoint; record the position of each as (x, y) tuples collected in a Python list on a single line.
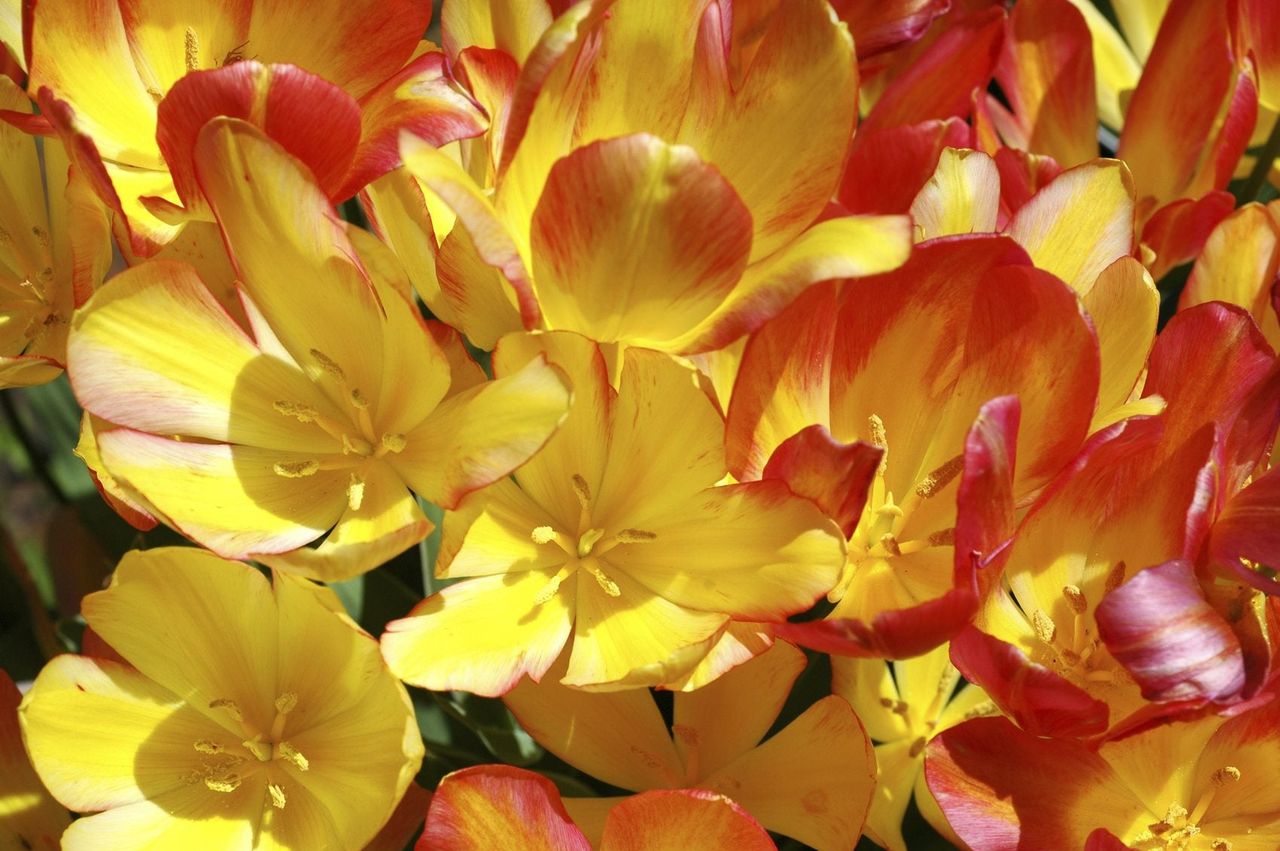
[(35, 457), (1262, 167)]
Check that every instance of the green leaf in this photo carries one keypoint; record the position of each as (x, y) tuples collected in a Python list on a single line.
[(494, 725)]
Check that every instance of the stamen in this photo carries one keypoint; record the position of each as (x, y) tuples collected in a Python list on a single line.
[(328, 364), (290, 754), (358, 401), (277, 796), (228, 783), (1224, 776), (392, 443), (635, 536), (356, 446), (880, 439), (553, 585), (231, 707), (582, 491), (355, 492), (286, 703), (943, 538), (587, 540), (296, 469), (544, 535), (1075, 599), (608, 585), (897, 707), (917, 747), (208, 747), (1044, 626), (192, 49), (303, 413), (1115, 578), (890, 544), (940, 478)]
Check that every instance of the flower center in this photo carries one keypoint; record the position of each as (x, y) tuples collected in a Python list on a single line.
[(1072, 642), (359, 441), (1179, 826), (880, 534), (585, 548), (224, 768)]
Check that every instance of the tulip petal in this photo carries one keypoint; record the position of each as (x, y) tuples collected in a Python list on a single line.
[(1238, 263), (834, 476), (1176, 646), (682, 818), (480, 435), (1003, 789), (753, 551), (1080, 223), (130, 367), (512, 27), (481, 635), (1249, 525), (878, 27), (963, 196), (1124, 306), (499, 806), (1177, 231), (582, 728), (753, 694), (888, 166), (30, 815), (830, 769), (230, 498), (597, 275)]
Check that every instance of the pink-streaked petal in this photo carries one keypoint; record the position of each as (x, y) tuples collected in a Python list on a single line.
[(498, 806)]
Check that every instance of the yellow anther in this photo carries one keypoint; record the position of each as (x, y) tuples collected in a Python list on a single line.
[(277, 796), (259, 748), (635, 536), (879, 437), (553, 585), (587, 540), (606, 584), (582, 491), (393, 442), (208, 747), (230, 706), (328, 364), (981, 710), (543, 535), (303, 413), (358, 401), (1075, 599), (290, 754), (940, 478), (228, 783), (191, 47), (286, 703), (943, 538), (1220, 845), (1226, 774), (296, 469), (355, 492), (1044, 626)]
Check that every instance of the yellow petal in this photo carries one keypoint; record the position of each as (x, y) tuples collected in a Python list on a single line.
[(30, 815), (512, 27), (963, 196), (492, 532), (1079, 223), (1115, 68), (230, 498), (481, 635), (1123, 305)]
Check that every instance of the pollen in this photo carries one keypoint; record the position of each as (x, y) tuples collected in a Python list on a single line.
[(581, 490), (606, 584), (940, 478), (286, 703), (206, 746), (358, 400), (1044, 626), (1116, 577), (328, 364), (296, 469), (231, 707), (1075, 599), (393, 442), (543, 535), (277, 796), (355, 492), (635, 536), (290, 754), (1226, 774), (191, 49), (302, 413), (227, 783)]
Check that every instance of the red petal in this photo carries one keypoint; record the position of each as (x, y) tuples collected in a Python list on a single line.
[(1178, 231), (836, 476), (499, 806), (887, 167)]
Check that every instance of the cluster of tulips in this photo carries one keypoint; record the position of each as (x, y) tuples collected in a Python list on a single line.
[(927, 345)]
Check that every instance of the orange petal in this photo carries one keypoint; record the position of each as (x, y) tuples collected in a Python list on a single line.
[(1238, 263), (499, 806), (682, 818)]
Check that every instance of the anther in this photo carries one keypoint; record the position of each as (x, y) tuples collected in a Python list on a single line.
[(1220, 845), (290, 754), (1075, 599), (208, 747), (940, 478), (879, 437), (296, 469), (553, 585), (358, 401), (277, 796), (917, 747), (582, 491), (890, 544), (635, 536), (355, 492), (192, 49), (393, 442), (943, 538), (897, 707), (328, 364), (1044, 626), (1115, 578), (229, 783), (606, 584), (230, 706), (1226, 774), (302, 413), (543, 535), (286, 703)]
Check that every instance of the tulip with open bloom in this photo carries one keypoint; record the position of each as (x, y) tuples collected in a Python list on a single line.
[(613, 540), (701, 162), (258, 717), (257, 440)]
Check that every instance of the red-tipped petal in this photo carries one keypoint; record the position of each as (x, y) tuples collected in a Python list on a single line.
[(835, 475), (499, 806)]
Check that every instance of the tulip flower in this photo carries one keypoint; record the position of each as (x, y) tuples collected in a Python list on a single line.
[(362, 60), (338, 403), (812, 780), (29, 817), (54, 250), (1201, 784), (699, 164), (496, 806), (613, 541), (258, 718)]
